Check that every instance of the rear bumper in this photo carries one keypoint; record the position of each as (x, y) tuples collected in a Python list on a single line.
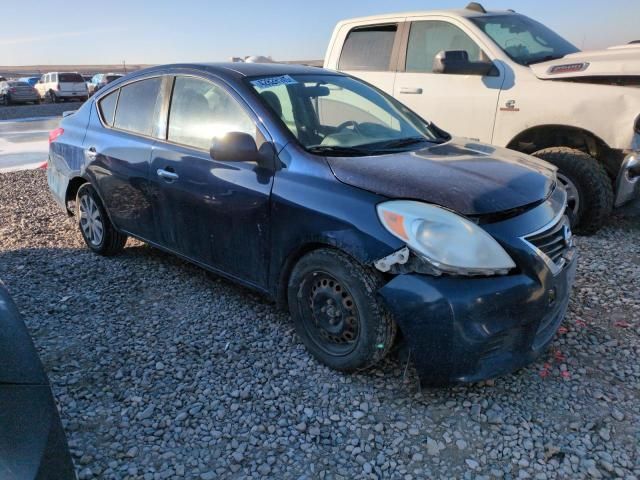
[(628, 181), (469, 329), (23, 98), (72, 94)]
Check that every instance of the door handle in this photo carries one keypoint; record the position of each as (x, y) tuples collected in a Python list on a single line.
[(92, 153), (167, 175), (411, 90)]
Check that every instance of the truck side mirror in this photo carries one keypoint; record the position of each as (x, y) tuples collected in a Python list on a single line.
[(456, 62)]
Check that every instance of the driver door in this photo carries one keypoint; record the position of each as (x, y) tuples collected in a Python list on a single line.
[(464, 105), (213, 212)]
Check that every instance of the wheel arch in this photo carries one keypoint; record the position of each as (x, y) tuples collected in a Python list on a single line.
[(72, 190), (292, 258), (540, 137)]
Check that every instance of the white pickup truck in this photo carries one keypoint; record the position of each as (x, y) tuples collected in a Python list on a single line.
[(505, 79)]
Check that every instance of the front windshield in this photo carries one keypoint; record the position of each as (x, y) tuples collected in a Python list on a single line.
[(332, 114), (523, 39)]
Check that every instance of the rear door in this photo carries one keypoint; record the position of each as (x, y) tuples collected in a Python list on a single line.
[(72, 83), (213, 212), (118, 146), (464, 105)]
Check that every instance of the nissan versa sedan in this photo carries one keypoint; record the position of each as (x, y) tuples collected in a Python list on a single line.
[(370, 224)]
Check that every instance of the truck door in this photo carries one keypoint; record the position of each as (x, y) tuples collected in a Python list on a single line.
[(464, 105)]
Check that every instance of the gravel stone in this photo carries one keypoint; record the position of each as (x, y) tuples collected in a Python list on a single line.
[(205, 379)]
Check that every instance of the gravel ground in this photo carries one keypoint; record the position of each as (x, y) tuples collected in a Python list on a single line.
[(13, 112), (162, 371)]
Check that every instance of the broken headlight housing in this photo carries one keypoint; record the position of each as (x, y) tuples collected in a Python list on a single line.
[(447, 242)]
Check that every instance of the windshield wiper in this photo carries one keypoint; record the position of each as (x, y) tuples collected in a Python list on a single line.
[(336, 150), (400, 142)]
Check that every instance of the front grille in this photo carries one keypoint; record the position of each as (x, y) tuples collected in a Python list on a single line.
[(554, 241)]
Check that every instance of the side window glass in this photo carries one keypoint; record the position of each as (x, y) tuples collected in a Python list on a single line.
[(54, 77), (368, 48), (201, 110), (137, 106), (108, 107), (428, 38)]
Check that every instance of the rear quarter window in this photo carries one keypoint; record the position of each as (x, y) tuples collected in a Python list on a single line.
[(107, 106), (137, 106), (368, 48)]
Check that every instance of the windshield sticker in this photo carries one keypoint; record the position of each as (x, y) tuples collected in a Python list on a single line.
[(273, 81)]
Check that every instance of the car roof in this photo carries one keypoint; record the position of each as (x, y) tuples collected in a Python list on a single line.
[(236, 70), (462, 12)]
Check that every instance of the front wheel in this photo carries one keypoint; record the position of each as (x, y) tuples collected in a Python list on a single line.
[(97, 230), (336, 311), (589, 189)]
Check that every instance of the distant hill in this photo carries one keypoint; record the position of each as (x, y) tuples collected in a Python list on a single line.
[(36, 70)]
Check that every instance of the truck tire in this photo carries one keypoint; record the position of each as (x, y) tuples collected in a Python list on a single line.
[(588, 186), (336, 311)]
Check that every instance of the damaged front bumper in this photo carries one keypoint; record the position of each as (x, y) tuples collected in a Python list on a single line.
[(628, 181), (470, 329)]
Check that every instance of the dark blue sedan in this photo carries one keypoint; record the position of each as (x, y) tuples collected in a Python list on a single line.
[(370, 224)]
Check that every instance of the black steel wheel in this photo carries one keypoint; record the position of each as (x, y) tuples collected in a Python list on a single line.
[(336, 311)]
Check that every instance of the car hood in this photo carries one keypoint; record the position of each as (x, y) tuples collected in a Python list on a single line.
[(614, 61), (470, 178)]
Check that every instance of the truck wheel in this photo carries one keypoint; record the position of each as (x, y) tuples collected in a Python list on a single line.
[(589, 189), (96, 228), (336, 311)]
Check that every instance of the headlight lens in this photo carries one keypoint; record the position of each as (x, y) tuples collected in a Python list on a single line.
[(449, 242)]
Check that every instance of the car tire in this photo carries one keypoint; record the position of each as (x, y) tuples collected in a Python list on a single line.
[(589, 189), (336, 311), (53, 98), (95, 226), (3, 100)]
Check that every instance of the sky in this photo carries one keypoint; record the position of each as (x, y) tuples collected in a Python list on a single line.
[(165, 31)]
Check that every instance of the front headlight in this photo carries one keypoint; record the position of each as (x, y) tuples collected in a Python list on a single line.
[(448, 242)]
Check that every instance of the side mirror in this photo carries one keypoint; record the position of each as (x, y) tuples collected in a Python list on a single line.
[(234, 147), (456, 62)]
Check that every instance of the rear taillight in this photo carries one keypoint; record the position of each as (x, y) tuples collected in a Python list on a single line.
[(12, 90), (44, 166), (54, 134)]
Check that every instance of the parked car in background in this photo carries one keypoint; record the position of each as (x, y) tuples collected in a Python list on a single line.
[(57, 86), (30, 80), (99, 80), (32, 442), (334, 199), (13, 91), (503, 78)]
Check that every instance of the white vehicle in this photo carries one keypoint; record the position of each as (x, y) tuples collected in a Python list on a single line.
[(56, 86), (505, 79)]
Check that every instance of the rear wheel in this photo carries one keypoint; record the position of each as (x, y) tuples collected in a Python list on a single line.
[(589, 189), (96, 228), (53, 98), (336, 311)]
